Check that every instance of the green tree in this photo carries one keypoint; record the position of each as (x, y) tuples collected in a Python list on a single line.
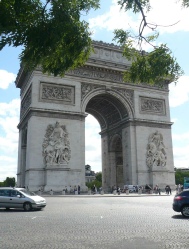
[(97, 182), (54, 37), (1, 184), (155, 67), (99, 177), (51, 32), (9, 182), (179, 176)]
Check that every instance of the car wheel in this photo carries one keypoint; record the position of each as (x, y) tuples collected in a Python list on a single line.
[(27, 206), (185, 211), (7, 208)]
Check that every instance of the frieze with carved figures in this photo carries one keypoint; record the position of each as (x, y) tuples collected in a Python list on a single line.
[(150, 105), (57, 93)]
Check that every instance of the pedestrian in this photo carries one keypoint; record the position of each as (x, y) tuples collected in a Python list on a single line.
[(158, 190), (167, 189), (148, 188), (94, 189), (179, 189), (78, 188), (118, 190), (182, 187), (75, 189), (170, 191)]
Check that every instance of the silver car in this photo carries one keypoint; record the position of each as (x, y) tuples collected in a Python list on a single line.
[(20, 198)]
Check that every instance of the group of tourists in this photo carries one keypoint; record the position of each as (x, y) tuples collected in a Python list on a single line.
[(146, 189)]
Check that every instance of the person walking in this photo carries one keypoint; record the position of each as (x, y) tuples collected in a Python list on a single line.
[(78, 189), (167, 189)]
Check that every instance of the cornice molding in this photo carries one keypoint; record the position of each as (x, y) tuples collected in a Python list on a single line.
[(56, 114)]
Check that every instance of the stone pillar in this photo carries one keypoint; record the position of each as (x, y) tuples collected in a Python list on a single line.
[(129, 156), (106, 169)]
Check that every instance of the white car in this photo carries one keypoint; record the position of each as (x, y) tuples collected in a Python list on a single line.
[(20, 198), (131, 188)]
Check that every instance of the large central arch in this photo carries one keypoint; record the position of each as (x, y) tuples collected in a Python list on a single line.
[(134, 120), (110, 109)]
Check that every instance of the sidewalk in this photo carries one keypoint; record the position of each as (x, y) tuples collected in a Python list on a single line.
[(57, 194)]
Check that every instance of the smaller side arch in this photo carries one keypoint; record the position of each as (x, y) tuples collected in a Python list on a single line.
[(115, 143)]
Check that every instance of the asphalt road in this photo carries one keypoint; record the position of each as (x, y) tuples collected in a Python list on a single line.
[(100, 221)]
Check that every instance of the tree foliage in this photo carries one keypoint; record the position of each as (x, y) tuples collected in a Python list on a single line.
[(9, 182), (154, 67), (99, 177), (54, 36), (97, 182), (179, 176), (51, 32)]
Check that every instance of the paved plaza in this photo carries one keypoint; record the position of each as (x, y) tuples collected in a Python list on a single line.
[(99, 221)]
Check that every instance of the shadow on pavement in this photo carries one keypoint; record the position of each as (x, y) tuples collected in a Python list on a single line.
[(179, 217)]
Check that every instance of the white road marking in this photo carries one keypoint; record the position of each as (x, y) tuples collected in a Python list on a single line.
[(34, 217)]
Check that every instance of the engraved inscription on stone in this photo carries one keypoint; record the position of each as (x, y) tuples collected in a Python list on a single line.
[(56, 146), (26, 102), (150, 105), (57, 93), (156, 154)]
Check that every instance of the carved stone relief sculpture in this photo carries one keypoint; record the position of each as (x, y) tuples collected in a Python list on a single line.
[(95, 73), (149, 105), (56, 146), (57, 93), (129, 94), (86, 88), (156, 154)]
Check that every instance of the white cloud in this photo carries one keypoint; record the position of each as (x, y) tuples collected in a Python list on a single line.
[(169, 12), (113, 19), (93, 144), (181, 137), (6, 79), (165, 13), (11, 109), (8, 167), (181, 157), (9, 118), (179, 93)]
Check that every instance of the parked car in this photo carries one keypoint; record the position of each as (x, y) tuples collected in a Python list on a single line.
[(181, 203), (20, 198)]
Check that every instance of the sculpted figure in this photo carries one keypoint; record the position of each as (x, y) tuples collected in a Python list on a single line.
[(56, 146), (156, 154), (57, 132)]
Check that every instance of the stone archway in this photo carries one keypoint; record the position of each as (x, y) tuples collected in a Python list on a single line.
[(130, 116), (111, 115)]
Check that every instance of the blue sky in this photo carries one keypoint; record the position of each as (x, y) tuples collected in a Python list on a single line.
[(102, 23)]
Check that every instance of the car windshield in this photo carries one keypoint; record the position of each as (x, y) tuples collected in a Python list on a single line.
[(27, 192)]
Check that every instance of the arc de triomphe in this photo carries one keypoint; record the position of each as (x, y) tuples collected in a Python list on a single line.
[(134, 120)]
